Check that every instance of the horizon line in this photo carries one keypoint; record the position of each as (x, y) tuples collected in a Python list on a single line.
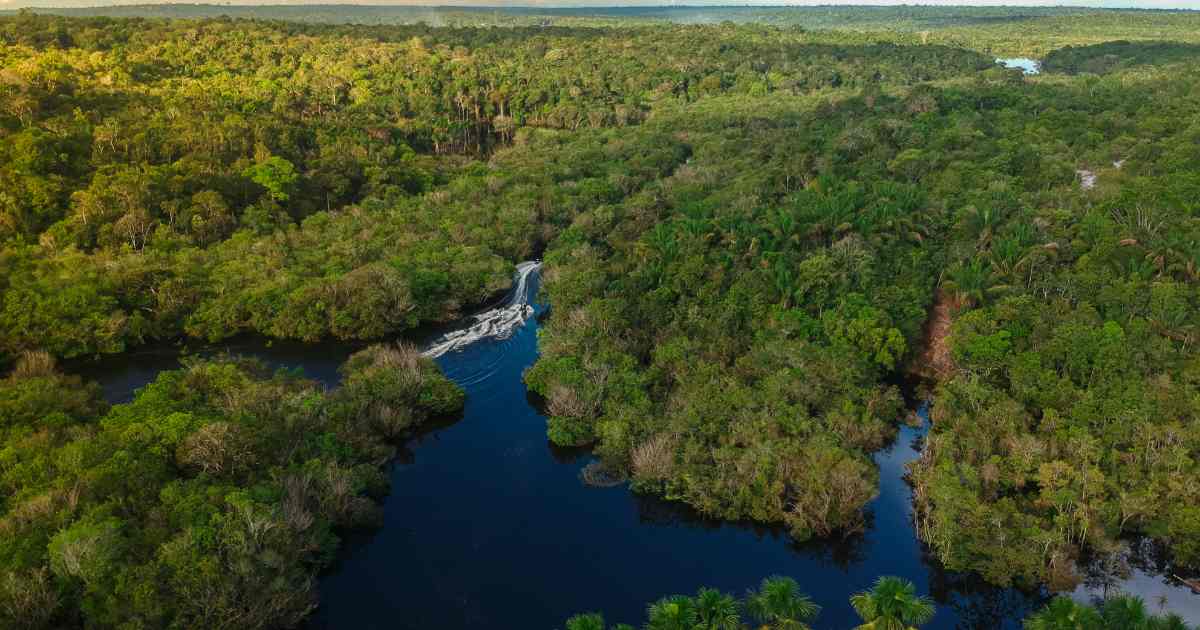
[(535, 4)]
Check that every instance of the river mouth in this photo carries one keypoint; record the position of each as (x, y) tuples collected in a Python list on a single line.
[(489, 526)]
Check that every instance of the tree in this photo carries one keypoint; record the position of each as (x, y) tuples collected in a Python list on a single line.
[(778, 604), (1124, 612), (275, 174), (968, 282), (892, 604), (676, 612), (211, 218), (910, 164), (589, 621), (1064, 613), (716, 610), (88, 550)]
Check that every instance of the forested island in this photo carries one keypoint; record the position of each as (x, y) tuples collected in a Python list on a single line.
[(754, 228)]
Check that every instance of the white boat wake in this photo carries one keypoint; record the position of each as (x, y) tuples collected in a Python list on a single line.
[(497, 323)]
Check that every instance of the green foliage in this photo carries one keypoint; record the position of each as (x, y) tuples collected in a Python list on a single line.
[(865, 328), (36, 392), (591, 621), (1117, 613), (778, 604), (716, 340), (213, 499), (275, 174), (716, 610), (744, 227), (892, 604), (1118, 55), (1064, 613)]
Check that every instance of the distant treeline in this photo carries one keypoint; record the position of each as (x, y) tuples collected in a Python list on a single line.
[(823, 17), (1004, 31), (1113, 56)]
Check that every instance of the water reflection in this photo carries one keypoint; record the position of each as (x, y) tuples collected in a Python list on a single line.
[(489, 526), (1138, 567), (977, 604)]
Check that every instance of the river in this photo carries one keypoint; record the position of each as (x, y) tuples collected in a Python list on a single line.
[(489, 526)]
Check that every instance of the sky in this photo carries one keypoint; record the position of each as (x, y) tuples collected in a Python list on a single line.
[(1142, 4)]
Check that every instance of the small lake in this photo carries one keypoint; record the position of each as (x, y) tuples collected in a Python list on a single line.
[(1028, 66), (489, 526)]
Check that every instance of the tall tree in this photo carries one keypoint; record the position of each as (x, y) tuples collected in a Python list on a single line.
[(892, 604), (779, 604)]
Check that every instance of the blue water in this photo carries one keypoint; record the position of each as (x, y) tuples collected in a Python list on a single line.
[(1028, 66), (489, 526)]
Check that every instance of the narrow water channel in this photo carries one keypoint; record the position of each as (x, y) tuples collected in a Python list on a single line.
[(489, 526)]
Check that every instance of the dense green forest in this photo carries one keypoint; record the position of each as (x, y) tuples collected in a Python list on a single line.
[(726, 338), (209, 501), (745, 229), (206, 179)]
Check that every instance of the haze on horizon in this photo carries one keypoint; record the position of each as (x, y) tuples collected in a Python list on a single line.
[(1106, 4)]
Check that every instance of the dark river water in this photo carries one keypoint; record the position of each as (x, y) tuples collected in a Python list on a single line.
[(489, 526)]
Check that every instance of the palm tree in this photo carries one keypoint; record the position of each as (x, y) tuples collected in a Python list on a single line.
[(1167, 622), (785, 281), (892, 604), (590, 621), (779, 604), (968, 282), (1124, 611), (676, 612), (980, 224), (1005, 254), (1063, 613), (783, 226), (1185, 257), (895, 211), (716, 610)]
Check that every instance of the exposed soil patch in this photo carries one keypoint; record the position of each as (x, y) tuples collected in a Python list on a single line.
[(934, 361)]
